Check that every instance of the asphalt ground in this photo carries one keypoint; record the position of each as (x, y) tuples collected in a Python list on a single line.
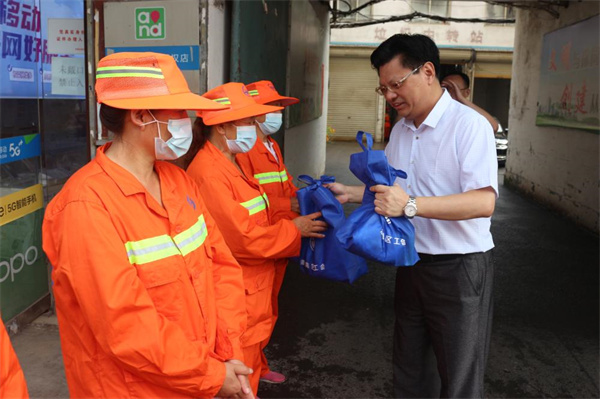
[(333, 340)]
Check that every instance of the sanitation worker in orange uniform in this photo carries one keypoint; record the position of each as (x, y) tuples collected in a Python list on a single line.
[(242, 209), (12, 380), (265, 162), (143, 280)]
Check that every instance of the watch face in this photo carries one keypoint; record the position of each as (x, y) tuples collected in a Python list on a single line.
[(410, 210)]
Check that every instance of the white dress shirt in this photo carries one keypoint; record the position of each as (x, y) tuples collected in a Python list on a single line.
[(453, 151)]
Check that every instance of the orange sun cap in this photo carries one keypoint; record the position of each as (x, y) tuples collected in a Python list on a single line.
[(146, 81), (240, 105), (264, 92)]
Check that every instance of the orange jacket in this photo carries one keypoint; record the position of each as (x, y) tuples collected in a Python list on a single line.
[(137, 307), (12, 380), (237, 204), (272, 176)]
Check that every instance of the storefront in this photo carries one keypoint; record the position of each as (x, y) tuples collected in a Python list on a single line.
[(43, 139)]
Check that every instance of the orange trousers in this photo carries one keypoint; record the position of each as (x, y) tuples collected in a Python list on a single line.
[(252, 359), (280, 267)]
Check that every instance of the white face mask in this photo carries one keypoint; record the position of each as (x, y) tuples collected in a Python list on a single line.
[(180, 141), (246, 138), (272, 123)]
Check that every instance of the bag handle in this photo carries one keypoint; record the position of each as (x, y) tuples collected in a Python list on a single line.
[(399, 173), (359, 138), (325, 179)]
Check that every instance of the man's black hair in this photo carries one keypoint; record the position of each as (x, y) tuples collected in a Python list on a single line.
[(464, 77), (415, 50)]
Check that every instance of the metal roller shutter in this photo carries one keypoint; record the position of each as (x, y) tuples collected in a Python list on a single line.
[(353, 103)]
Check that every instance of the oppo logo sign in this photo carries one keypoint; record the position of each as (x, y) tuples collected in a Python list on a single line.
[(17, 263)]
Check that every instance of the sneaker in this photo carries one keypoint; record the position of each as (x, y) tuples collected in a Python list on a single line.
[(273, 377)]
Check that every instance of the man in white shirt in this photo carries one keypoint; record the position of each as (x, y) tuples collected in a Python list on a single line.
[(443, 304)]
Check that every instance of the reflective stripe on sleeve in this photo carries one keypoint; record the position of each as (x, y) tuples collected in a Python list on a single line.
[(283, 175), (256, 205), (271, 177)]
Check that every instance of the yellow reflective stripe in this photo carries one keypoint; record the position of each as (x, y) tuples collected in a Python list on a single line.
[(255, 205), (150, 249), (131, 72), (113, 68), (283, 175), (253, 92), (266, 199), (192, 238), (223, 100), (128, 75), (269, 177)]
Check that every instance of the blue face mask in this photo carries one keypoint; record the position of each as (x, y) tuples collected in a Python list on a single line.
[(246, 137), (180, 141), (272, 123)]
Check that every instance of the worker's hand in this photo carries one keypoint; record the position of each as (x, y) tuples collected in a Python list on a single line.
[(294, 204), (454, 91), (309, 227), (340, 191), (389, 200), (236, 384)]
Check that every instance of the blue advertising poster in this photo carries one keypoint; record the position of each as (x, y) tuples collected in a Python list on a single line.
[(187, 57), (20, 147), (25, 64)]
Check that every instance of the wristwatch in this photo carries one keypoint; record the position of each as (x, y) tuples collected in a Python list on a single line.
[(410, 209)]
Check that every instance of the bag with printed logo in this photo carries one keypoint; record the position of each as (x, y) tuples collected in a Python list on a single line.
[(325, 257), (366, 233)]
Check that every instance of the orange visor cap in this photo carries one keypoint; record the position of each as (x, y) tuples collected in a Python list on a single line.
[(146, 81), (239, 102), (264, 92)]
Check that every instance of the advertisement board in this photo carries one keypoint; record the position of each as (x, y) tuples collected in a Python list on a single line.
[(25, 56)]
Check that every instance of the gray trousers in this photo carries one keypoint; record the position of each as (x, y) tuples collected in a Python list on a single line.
[(443, 309)]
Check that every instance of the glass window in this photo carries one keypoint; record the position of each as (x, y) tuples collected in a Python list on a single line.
[(496, 11), (431, 7), (364, 14)]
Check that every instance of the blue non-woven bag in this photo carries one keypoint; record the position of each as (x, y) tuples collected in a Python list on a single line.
[(366, 233), (325, 257)]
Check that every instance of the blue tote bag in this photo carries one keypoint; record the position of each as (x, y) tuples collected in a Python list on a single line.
[(325, 257), (366, 233)]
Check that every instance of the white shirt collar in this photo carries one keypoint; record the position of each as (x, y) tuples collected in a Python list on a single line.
[(435, 114)]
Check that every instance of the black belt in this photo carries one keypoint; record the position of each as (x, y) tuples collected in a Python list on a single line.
[(439, 258)]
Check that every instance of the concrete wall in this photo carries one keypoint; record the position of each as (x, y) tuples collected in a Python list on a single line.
[(217, 62), (304, 150), (556, 166)]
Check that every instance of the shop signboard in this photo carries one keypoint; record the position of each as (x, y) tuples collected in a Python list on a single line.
[(25, 57), (21, 147), (23, 273), (166, 27)]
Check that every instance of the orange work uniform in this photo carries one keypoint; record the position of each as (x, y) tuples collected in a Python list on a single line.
[(12, 380), (274, 178), (241, 210), (141, 289)]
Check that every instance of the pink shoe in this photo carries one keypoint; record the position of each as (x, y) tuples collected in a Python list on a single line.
[(273, 377)]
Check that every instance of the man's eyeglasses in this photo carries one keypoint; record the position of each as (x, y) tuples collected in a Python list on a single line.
[(382, 90)]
